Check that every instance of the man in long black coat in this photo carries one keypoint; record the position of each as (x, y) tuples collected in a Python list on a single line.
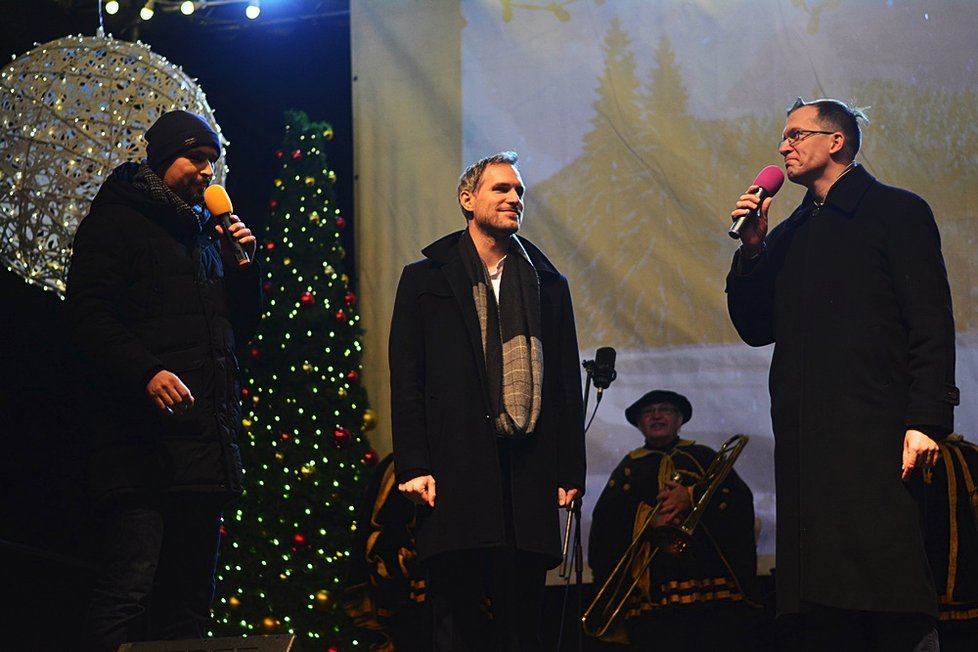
[(487, 415), (853, 292), (157, 305)]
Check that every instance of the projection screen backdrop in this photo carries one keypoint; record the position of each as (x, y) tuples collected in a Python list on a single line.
[(638, 123)]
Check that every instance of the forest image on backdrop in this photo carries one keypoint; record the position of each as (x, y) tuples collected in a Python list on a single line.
[(655, 185)]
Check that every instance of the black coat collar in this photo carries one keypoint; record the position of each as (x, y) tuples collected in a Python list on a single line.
[(847, 192), (444, 250)]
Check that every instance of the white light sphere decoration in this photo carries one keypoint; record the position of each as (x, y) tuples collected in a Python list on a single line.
[(72, 110)]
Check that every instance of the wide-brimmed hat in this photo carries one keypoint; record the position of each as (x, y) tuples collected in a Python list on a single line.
[(680, 402)]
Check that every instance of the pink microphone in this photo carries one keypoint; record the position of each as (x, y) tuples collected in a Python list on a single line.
[(769, 181)]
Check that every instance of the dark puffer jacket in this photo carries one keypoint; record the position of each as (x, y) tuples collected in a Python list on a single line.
[(147, 291)]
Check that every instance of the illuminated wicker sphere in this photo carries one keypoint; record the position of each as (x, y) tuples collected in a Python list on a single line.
[(70, 111)]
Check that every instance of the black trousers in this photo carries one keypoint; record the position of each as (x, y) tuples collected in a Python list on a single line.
[(827, 629), (486, 600), (157, 573)]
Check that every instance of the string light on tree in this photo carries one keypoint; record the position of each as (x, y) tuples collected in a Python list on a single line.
[(303, 444)]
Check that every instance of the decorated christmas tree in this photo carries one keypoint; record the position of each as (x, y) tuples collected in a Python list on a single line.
[(288, 540)]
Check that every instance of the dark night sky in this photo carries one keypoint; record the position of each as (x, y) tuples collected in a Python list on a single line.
[(295, 56)]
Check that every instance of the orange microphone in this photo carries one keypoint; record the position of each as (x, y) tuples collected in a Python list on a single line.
[(219, 204)]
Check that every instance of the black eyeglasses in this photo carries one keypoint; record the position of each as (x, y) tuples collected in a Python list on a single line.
[(799, 135)]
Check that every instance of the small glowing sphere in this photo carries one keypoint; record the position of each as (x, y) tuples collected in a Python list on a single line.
[(112, 7)]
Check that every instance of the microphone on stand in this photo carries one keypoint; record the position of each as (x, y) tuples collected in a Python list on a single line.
[(603, 369)]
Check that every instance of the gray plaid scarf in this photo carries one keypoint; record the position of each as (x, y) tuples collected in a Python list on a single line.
[(510, 337)]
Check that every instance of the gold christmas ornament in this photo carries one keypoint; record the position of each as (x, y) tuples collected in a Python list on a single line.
[(233, 602), (72, 110), (369, 419), (323, 600)]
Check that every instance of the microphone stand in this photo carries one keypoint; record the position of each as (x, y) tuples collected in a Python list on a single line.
[(576, 557)]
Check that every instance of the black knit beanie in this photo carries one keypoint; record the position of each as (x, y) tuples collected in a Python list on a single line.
[(175, 132)]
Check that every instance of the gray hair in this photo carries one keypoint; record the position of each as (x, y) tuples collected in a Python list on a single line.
[(841, 117)]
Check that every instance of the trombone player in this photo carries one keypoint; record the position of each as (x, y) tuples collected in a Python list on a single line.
[(699, 599)]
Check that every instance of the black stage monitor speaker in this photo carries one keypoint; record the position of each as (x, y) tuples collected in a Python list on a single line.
[(284, 643)]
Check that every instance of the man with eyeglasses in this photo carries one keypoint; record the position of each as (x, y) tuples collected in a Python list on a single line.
[(700, 599), (852, 290)]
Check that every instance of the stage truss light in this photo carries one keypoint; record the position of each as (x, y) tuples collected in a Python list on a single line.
[(112, 7), (147, 11), (253, 9)]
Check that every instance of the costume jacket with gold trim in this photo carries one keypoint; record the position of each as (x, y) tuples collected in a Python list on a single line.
[(720, 563), (952, 529)]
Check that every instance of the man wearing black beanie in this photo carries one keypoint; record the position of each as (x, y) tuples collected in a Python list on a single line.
[(175, 132), (157, 305)]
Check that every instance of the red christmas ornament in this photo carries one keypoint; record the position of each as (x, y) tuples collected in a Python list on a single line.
[(351, 299), (340, 222), (245, 392), (299, 543), (255, 353), (268, 288), (352, 375), (296, 154), (285, 436), (340, 315), (341, 437), (270, 245), (371, 457), (273, 204), (307, 299)]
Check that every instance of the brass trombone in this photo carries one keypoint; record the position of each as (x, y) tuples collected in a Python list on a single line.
[(671, 539)]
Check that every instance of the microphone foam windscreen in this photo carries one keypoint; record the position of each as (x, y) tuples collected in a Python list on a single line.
[(217, 200), (770, 178)]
